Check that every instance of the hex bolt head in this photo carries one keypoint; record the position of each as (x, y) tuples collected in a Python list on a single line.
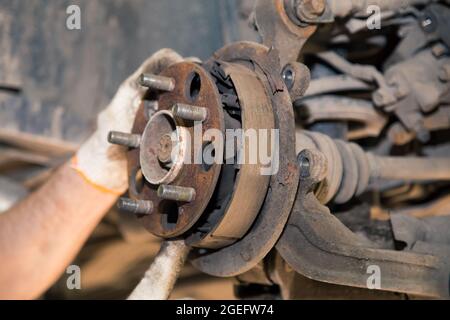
[(135, 206), (428, 24), (188, 112), (124, 139), (153, 81), (377, 98), (311, 8), (176, 193)]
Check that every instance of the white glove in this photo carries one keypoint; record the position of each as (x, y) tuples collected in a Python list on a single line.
[(105, 165)]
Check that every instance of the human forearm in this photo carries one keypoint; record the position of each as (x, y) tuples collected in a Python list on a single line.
[(42, 234)]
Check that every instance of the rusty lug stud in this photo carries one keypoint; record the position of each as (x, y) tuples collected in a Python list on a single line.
[(153, 81), (124, 139), (176, 193), (135, 206), (188, 112)]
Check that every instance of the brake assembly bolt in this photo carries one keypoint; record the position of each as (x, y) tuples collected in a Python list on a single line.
[(311, 9), (176, 193)]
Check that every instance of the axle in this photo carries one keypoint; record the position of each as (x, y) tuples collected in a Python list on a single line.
[(350, 170)]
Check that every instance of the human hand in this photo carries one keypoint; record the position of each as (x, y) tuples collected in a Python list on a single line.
[(102, 164)]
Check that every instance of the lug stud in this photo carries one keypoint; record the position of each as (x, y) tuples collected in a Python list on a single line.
[(188, 112), (153, 81), (135, 206), (124, 139), (176, 193)]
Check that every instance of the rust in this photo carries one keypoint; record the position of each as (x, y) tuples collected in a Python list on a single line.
[(251, 185), (269, 223), (169, 218), (279, 31)]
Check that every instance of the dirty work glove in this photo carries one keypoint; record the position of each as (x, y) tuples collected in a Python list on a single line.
[(105, 165)]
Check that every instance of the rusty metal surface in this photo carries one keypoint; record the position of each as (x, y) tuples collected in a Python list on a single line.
[(184, 215), (411, 230), (410, 168), (297, 78), (439, 207), (262, 236), (335, 108), (160, 277), (250, 186), (315, 243), (413, 92), (331, 183), (314, 240), (334, 84), (417, 89), (350, 169), (294, 286), (279, 31)]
